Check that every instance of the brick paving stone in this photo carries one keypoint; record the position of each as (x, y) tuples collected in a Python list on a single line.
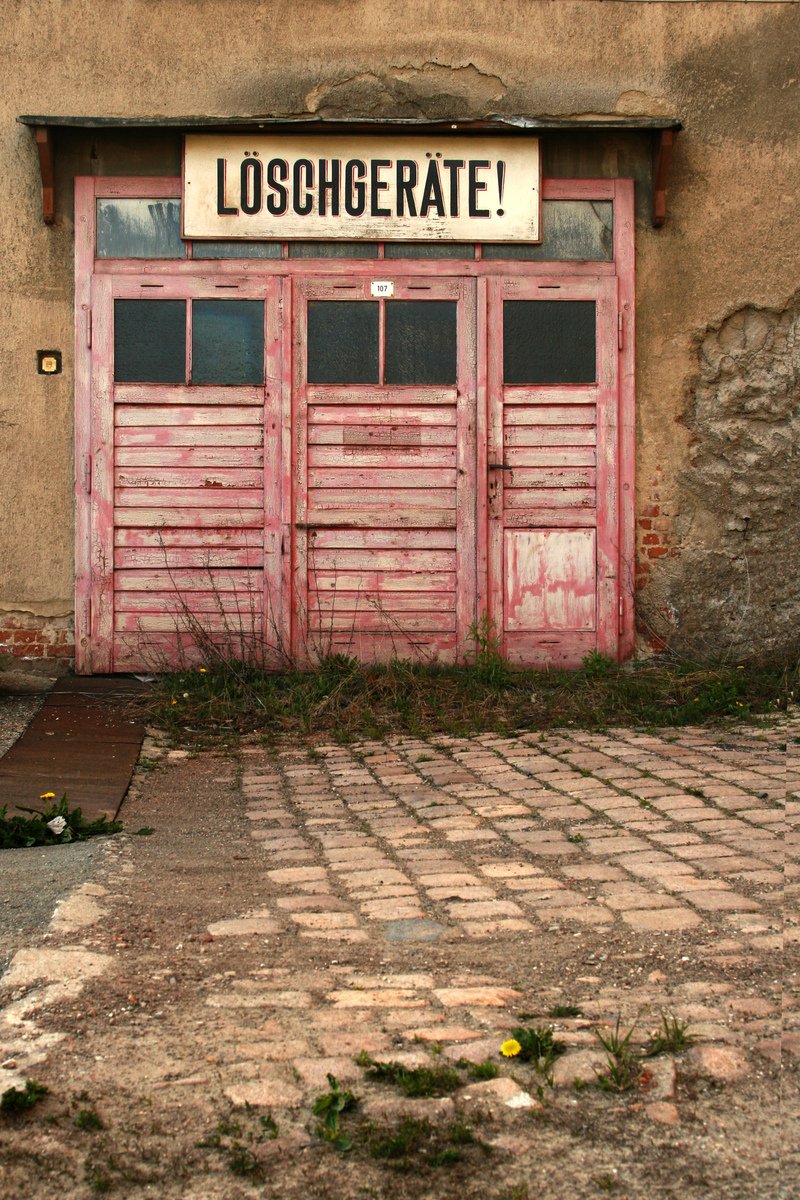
[(467, 997), (661, 920)]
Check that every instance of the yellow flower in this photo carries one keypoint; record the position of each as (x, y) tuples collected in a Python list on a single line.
[(740, 668), (201, 670), (510, 1048), (174, 701), (47, 796)]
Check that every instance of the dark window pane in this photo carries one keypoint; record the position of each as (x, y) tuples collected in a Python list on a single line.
[(150, 341), (236, 249), (571, 229), (343, 341), (333, 250), (228, 341), (421, 341), (549, 341), (429, 250), (139, 229)]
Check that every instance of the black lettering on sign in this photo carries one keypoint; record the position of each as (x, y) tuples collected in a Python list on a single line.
[(477, 185), (223, 209), (330, 177), (251, 186), (378, 185), (453, 166), (302, 188), (277, 176), (355, 189), (432, 196), (406, 182)]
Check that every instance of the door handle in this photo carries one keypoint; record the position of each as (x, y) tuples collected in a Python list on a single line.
[(500, 467)]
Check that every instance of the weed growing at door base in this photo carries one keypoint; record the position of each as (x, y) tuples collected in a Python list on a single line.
[(347, 700)]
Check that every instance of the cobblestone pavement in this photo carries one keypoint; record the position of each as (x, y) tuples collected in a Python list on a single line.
[(412, 898)]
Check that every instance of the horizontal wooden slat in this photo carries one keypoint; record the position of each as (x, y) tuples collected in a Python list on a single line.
[(546, 518), (550, 394), (193, 518), (380, 647), (182, 556), (361, 394), (146, 414), (379, 499), (196, 435), (376, 437), (380, 581), (352, 457), (549, 497), (160, 393), (405, 517), (382, 560), (555, 435), (196, 602), (326, 539), (172, 498), (377, 477), (547, 649), (397, 415), (187, 581), (407, 622), (166, 538), (213, 622), (547, 414), (516, 455), (244, 457), (549, 477), (161, 651), (189, 477), (391, 602)]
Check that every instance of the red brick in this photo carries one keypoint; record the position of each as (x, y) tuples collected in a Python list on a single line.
[(651, 510), (657, 551)]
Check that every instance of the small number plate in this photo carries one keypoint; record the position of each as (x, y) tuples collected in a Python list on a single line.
[(381, 287)]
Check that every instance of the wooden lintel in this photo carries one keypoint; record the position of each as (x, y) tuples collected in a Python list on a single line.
[(663, 157), (44, 144)]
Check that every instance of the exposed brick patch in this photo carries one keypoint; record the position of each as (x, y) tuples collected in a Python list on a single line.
[(23, 635)]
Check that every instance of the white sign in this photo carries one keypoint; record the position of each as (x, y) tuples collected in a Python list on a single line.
[(381, 287), (482, 189)]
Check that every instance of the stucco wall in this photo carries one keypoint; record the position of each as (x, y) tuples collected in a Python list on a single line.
[(731, 244)]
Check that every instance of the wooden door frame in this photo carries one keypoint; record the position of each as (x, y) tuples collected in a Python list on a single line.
[(89, 272)]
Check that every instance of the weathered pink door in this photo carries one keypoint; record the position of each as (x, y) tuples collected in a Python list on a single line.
[(553, 462), (184, 471), (384, 467)]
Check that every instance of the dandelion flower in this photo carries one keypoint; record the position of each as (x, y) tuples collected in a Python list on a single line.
[(201, 671), (174, 701), (47, 796), (510, 1048)]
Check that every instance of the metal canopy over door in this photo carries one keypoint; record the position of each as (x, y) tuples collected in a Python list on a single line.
[(384, 466), (553, 461), (185, 536)]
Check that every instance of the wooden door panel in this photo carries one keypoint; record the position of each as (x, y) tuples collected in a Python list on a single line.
[(552, 470), (383, 479)]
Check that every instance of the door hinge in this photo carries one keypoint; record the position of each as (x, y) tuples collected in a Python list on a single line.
[(620, 333), (89, 616), (621, 626), (89, 328), (87, 475)]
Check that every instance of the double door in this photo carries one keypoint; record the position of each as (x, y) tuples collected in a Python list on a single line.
[(288, 467)]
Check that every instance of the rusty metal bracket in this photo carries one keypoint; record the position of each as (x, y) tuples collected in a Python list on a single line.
[(665, 143), (44, 144)]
